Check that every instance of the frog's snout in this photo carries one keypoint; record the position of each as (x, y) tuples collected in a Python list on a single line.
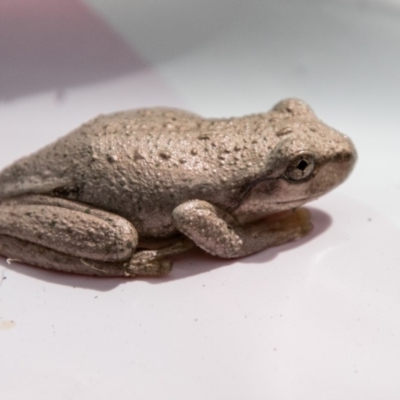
[(348, 149), (341, 162), (347, 155)]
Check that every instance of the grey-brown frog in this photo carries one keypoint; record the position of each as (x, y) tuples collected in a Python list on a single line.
[(124, 192)]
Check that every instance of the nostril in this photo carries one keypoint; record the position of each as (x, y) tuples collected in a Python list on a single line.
[(343, 156), (347, 154)]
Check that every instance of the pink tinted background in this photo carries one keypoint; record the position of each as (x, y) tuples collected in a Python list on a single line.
[(53, 45)]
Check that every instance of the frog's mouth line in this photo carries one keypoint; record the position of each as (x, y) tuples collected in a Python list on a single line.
[(304, 199)]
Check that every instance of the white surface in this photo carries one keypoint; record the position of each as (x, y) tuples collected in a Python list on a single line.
[(317, 319)]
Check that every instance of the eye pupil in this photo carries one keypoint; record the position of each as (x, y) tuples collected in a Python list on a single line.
[(302, 165)]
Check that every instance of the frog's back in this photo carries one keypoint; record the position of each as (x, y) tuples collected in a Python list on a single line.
[(62, 164)]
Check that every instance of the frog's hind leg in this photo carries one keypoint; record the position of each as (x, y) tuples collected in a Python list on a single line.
[(17, 250), (142, 263), (64, 235), (60, 234)]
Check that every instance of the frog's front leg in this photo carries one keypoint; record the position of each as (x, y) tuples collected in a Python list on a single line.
[(218, 233), (69, 236)]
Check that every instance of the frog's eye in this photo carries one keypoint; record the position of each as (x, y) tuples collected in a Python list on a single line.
[(300, 167)]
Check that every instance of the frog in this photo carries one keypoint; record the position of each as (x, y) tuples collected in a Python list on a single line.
[(125, 192)]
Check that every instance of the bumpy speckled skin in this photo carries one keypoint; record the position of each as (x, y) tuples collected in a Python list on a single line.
[(82, 203)]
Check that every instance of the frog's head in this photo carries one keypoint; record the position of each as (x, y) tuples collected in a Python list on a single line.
[(309, 159)]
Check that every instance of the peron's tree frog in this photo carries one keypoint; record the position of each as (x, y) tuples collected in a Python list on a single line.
[(122, 193)]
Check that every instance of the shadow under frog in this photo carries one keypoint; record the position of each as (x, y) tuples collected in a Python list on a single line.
[(125, 192)]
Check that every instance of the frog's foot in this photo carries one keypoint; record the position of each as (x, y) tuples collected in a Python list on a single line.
[(147, 263), (154, 262)]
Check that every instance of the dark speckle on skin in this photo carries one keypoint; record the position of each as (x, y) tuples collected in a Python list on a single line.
[(111, 158), (165, 155)]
